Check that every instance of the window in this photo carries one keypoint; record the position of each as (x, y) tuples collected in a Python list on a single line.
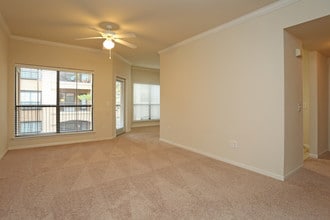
[(31, 74), (54, 102), (30, 127), (67, 98), (146, 101), (29, 97)]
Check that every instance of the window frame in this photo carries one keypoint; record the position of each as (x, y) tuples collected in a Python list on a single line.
[(58, 106)]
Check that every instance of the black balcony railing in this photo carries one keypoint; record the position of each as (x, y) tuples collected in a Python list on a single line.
[(46, 119)]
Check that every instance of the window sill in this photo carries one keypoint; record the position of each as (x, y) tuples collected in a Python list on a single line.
[(53, 135), (154, 120)]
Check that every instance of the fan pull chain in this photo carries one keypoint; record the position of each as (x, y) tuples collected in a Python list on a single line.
[(110, 54)]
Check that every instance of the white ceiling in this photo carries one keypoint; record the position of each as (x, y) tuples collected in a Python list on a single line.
[(157, 24), (315, 34)]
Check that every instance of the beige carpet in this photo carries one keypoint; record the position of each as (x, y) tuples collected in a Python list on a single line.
[(136, 177)]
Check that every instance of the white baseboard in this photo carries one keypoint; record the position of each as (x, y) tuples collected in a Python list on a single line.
[(3, 152), (238, 164), (326, 150), (58, 143), (315, 156), (293, 171)]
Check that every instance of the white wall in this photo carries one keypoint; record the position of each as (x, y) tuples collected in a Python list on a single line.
[(322, 91), (229, 85), (43, 54), (306, 98), (3, 90), (144, 76), (316, 68), (328, 104), (293, 104)]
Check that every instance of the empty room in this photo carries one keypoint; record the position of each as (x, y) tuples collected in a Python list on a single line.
[(140, 109)]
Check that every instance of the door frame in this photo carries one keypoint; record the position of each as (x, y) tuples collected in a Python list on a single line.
[(123, 102)]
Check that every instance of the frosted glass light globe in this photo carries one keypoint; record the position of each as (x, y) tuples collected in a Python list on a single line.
[(108, 44)]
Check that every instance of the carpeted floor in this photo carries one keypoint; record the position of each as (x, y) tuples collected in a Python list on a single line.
[(136, 177)]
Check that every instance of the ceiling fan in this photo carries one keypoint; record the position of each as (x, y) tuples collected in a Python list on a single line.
[(111, 37)]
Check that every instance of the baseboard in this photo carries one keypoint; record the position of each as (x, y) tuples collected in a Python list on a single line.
[(3, 152), (238, 164), (144, 124), (58, 143), (315, 156), (323, 152), (293, 171)]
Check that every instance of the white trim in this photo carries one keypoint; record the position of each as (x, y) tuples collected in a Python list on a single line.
[(122, 58), (56, 44), (140, 124), (52, 43), (3, 153), (259, 12), (4, 25), (293, 171), (238, 164), (326, 150), (145, 68), (58, 143), (315, 156)]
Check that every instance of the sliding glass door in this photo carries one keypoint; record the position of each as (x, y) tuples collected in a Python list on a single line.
[(120, 106)]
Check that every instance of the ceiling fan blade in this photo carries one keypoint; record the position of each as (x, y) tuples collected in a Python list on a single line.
[(95, 29), (89, 38), (125, 43), (127, 35)]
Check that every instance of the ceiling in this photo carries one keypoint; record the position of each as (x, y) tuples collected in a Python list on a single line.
[(157, 24), (315, 34)]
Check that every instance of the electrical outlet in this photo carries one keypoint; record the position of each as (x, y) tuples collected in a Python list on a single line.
[(233, 144)]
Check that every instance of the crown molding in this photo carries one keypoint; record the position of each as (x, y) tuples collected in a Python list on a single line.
[(144, 68), (4, 25), (259, 12), (52, 43), (122, 58), (56, 44)]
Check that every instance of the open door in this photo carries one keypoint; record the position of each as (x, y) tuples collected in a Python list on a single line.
[(120, 106)]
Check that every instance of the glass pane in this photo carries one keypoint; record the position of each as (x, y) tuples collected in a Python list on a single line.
[(141, 112), (47, 87), (28, 73), (120, 107), (146, 101), (155, 112), (75, 94), (67, 77), (36, 87), (141, 94), (154, 94)]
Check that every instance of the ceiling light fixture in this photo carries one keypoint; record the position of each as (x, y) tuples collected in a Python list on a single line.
[(108, 44)]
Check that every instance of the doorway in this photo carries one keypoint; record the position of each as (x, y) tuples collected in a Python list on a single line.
[(120, 106), (313, 37)]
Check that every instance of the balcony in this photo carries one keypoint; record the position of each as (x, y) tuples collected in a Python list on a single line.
[(48, 119)]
